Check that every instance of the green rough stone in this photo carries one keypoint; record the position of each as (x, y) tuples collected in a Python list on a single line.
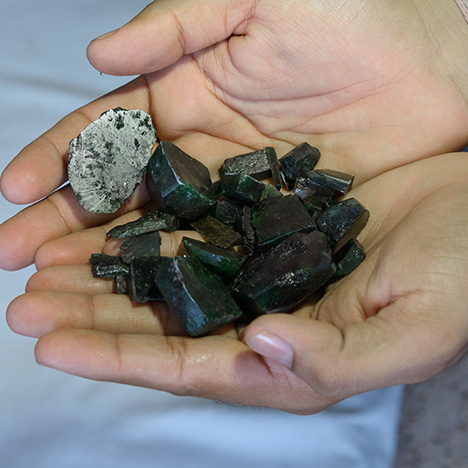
[(223, 262), (249, 239), (274, 166), (107, 266), (242, 187), (198, 297), (297, 162), (342, 222), (180, 184), (256, 164), (279, 279), (348, 258), (146, 245), (149, 222), (276, 218), (339, 183), (141, 287), (228, 212), (312, 193), (271, 191), (216, 232)]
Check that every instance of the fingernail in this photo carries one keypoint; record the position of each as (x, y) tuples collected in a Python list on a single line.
[(271, 346), (105, 35)]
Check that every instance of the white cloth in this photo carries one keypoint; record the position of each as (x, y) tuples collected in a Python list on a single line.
[(53, 420)]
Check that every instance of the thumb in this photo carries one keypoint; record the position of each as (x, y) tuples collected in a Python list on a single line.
[(166, 30), (375, 353)]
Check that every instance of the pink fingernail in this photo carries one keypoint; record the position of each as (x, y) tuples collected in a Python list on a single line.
[(271, 346)]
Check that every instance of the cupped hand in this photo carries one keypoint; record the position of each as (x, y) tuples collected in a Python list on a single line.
[(398, 318)]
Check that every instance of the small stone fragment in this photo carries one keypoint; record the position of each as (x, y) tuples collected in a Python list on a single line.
[(242, 187), (180, 184), (107, 266), (297, 162), (249, 239), (271, 191), (145, 245), (198, 297), (281, 278), (276, 218), (255, 164), (121, 284), (339, 183), (342, 222), (141, 287), (223, 262), (107, 160), (228, 212), (275, 170), (149, 222), (312, 194), (348, 258), (216, 232)]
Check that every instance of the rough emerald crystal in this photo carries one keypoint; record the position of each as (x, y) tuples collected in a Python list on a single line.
[(297, 162), (284, 276), (180, 184), (338, 182), (145, 245), (107, 266), (107, 160), (276, 218), (249, 239), (242, 187), (223, 262), (216, 232), (149, 222), (141, 287), (348, 258), (342, 222), (198, 297), (228, 212)]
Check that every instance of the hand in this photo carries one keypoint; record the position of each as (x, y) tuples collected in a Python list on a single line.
[(399, 318), (370, 101)]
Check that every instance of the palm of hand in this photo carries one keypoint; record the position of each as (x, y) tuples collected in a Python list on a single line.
[(216, 103)]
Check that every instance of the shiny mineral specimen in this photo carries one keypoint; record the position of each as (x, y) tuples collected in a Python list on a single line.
[(339, 183), (348, 258), (275, 218), (242, 187), (107, 266), (144, 245), (297, 162), (141, 287), (249, 239), (259, 164), (198, 297), (180, 184), (228, 212), (149, 222), (281, 278), (223, 262), (342, 222), (216, 232), (107, 160)]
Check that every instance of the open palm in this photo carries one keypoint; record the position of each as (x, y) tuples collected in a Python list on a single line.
[(268, 73)]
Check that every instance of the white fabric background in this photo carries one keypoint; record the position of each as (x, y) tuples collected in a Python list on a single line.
[(53, 420)]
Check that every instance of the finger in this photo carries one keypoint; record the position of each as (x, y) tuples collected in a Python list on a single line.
[(36, 313), (54, 217), (214, 367), (41, 167), (166, 30)]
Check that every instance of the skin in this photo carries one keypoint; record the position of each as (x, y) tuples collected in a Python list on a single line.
[(379, 87)]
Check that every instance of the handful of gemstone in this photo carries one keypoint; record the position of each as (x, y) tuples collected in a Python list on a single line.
[(291, 245)]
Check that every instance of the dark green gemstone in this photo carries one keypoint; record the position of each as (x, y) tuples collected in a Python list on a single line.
[(342, 222), (198, 297), (242, 187), (141, 286), (276, 218), (339, 183), (297, 162), (348, 258), (311, 193), (223, 262), (180, 184), (278, 280), (216, 232), (249, 239), (227, 211), (271, 191), (149, 222), (255, 164), (146, 245), (107, 266), (274, 166)]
